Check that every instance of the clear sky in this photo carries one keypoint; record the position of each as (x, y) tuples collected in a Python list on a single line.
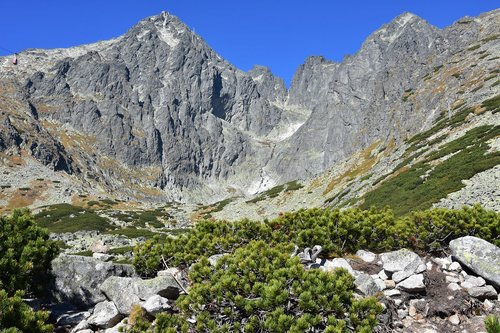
[(276, 33)]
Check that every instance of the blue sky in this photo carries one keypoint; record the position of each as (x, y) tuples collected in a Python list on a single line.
[(275, 33)]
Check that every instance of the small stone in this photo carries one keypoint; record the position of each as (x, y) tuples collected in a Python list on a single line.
[(455, 266), (473, 281), (390, 284), (442, 262), (451, 279), (486, 292), (454, 287), (398, 302), (429, 266), (454, 320), (413, 284), (402, 313), (488, 305), (412, 311), (380, 284), (366, 256), (392, 292)]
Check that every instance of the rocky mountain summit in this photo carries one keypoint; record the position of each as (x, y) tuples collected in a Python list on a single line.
[(157, 115)]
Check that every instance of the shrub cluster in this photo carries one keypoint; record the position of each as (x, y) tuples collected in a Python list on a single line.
[(26, 253), (337, 231)]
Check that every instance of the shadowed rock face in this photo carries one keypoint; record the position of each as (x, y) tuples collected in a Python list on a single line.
[(160, 97)]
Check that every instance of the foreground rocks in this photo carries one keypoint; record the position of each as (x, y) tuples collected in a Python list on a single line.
[(419, 294), (77, 278)]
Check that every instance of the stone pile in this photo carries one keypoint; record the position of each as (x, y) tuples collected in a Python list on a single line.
[(95, 295)]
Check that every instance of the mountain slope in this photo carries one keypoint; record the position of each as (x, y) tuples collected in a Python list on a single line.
[(157, 115)]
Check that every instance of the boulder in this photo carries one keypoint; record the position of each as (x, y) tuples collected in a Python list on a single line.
[(105, 315), (77, 278), (413, 284), (125, 292), (402, 260), (156, 304), (480, 256), (486, 292)]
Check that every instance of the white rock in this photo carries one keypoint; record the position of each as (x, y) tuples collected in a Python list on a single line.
[(366, 256), (392, 292), (451, 279), (401, 275), (331, 265), (72, 319), (414, 283), (429, 266), (455, 320), (402, 313), (398, 302), (383, 275), (421, 268), (488, 305), (380, 283), (442, 262), (455, 266), (83, 325), (156, 304), (401, 260), (412, 311), (473, 281), (454, 287)]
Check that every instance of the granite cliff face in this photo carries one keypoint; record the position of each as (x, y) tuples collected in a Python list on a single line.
[(156, 113)]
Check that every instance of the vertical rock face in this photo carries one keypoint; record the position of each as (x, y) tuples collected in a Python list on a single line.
[(159, 99)]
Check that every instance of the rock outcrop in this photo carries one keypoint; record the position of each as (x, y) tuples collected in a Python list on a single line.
[(77, 279)]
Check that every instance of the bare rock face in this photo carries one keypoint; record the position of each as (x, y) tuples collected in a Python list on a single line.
[(159, 101)]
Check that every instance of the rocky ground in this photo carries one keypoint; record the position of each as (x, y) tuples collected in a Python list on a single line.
[(419, 294)]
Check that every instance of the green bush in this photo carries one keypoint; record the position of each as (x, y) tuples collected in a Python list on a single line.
[(492, 324), (26, 253), (261, 288), (337, 231), (69, 218), (17, 317)]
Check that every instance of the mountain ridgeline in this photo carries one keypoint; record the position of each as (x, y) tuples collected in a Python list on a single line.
[(156, 114)]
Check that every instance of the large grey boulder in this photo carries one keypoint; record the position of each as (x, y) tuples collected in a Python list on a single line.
[(125, 292), (480, 256), (486, 292), (105, 315), (402, 260), (77, 278)]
